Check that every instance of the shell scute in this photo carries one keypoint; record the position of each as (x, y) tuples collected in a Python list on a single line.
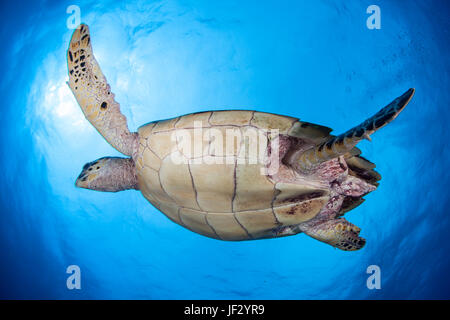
[(177, 182), (236, 117), (148, 180), (272, 121), (191, 143), (162, 143), (170, 210), (214, 183), (150, 159), (310, 131), (226, 226), (196, 221), (194, 119), (146, 130), (254, 190), (165, 125), (258, 224)]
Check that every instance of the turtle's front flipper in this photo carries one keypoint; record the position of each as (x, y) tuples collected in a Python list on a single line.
[(94, 95), (340, 145), (337, 232)]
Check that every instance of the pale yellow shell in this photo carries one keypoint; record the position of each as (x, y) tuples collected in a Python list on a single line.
[(231, 200)]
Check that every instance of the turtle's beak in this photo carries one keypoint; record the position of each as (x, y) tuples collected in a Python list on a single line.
[(79, 183), (82, 181)]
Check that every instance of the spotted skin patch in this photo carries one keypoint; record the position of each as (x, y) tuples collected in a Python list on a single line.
[(93, 93)]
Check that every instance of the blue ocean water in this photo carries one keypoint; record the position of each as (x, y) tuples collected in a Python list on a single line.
[(315, 60)]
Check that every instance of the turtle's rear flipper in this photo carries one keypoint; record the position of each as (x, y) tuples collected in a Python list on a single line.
[(339, 233), (94, 95), (340, 145)]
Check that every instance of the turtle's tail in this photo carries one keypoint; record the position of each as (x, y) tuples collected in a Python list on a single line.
[(341, 144)]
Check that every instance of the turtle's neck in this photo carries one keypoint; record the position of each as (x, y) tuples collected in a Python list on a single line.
[(124, 175)]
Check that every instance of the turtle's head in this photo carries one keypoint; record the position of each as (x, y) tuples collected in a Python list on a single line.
[(108, 174)]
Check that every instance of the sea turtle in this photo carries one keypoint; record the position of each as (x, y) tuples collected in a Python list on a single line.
[(303, 179)]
